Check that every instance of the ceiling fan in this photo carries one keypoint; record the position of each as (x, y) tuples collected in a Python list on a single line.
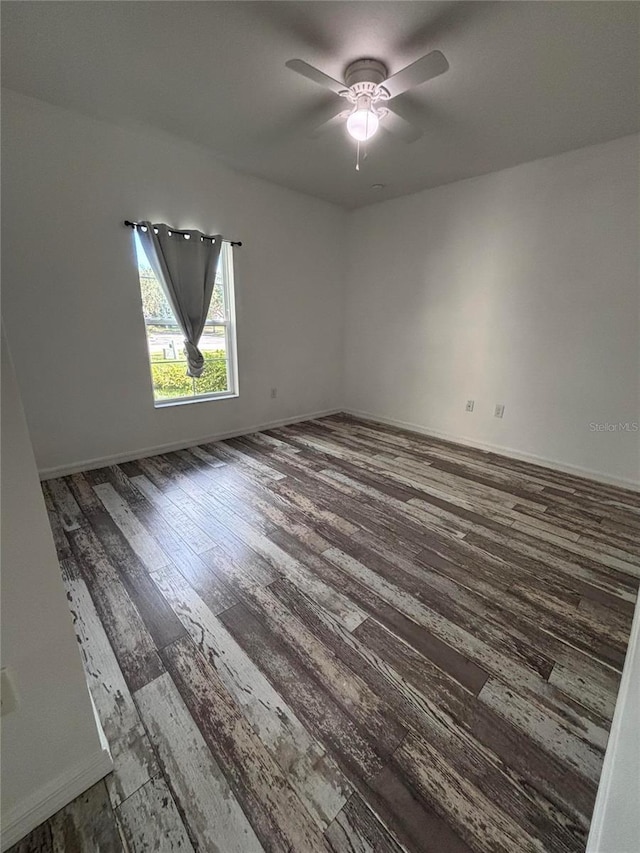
[(368, 90)]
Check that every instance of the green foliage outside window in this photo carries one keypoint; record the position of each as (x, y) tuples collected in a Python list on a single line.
[(170, 377)]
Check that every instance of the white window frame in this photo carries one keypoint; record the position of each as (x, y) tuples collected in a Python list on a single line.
[(229, 324)]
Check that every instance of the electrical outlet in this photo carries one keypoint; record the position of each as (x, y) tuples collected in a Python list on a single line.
[(8, 695), (469, 406), (274, 393), (498, 412)]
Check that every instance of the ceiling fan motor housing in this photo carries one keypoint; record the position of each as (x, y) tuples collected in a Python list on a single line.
[(363, 78), (365, 71)]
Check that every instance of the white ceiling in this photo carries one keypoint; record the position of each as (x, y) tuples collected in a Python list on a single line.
[(527, 79)]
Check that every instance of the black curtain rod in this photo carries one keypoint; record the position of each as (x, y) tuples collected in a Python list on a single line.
[(130, 224)]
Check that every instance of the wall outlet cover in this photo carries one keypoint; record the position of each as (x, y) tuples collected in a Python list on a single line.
[(469, 406), (499, 410), (274, 393)]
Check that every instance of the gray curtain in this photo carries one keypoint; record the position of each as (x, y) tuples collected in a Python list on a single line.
[(186, 268)]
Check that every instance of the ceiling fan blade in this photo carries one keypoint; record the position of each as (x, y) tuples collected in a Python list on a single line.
[(400, 127), (430, 66), (302, 67), (334, 121)]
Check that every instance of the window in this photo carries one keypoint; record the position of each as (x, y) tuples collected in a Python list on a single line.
[(166, 343)]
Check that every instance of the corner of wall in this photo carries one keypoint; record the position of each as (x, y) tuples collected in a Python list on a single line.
[(615, 825), (54, 795), (346, 231), (53, 748)]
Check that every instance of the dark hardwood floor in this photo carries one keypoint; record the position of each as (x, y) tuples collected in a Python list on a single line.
[(340, 636)]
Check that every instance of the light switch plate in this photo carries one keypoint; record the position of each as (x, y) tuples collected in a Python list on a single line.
[(499, 410)]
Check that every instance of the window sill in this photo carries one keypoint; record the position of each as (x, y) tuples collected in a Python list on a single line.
[(185, 401)]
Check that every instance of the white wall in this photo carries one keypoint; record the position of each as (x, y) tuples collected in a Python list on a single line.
[(71, 298), (51, 749), (519, 287)]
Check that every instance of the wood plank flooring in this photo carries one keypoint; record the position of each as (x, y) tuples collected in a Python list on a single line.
[(338, 636)]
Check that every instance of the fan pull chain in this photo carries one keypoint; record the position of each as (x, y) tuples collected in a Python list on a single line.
[(364, 155)]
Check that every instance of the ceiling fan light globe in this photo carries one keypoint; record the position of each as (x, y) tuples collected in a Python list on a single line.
[(362, 124)]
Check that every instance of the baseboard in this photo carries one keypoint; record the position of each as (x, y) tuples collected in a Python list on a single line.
[(141, 452), (24, 817), (615, 824), (554, 464)]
